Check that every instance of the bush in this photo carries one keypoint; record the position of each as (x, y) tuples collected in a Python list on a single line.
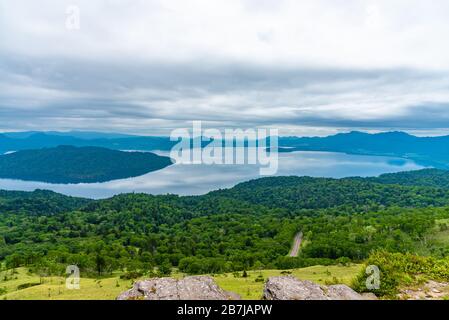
[(294, 263), (27, 285), (165, 269), (193, 265), (344, 261), (131, 275), (398, 270)]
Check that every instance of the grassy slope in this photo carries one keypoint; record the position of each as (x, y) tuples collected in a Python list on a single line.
[(441, 237), (436, 238), (53, 288), (248, 288)]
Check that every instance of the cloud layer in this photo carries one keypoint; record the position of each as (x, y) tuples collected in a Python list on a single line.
[(306, 67)]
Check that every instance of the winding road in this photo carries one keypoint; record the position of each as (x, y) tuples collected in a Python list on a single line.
[(296, 245)]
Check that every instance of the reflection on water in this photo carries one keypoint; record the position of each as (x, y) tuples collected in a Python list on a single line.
[(200, 179)]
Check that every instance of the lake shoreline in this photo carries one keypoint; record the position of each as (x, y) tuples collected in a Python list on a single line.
[(186, 180)]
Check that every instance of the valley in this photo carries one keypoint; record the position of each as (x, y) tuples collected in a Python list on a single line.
[(249, 228)]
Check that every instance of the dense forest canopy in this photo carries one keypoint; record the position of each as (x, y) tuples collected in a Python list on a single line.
[(426, 178), (250, 226), (314, 193), (38, 202)]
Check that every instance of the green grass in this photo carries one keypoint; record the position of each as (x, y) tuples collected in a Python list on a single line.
[(436, 239), (248, 288), (19, 277), (441, 237), (53, 288)]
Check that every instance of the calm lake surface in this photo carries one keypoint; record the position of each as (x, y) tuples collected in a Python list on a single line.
[(199, 179)]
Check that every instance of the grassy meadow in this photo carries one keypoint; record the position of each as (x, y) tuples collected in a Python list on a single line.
[(251, 287), (441, 237), (12, 283)]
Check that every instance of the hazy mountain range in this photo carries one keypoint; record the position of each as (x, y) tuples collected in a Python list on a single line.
[(430, 151)]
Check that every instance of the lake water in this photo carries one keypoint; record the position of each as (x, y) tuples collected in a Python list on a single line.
[(199, 179)]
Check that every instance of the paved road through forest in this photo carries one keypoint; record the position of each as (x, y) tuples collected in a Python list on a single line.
[(296, 245)]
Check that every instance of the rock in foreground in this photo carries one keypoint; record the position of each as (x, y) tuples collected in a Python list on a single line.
[(189, 288), (290, 288), (431, 290)]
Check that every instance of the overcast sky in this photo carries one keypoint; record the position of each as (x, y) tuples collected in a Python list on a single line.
[(146, 67)]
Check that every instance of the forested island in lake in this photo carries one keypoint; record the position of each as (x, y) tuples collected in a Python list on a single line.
[(69, 164)]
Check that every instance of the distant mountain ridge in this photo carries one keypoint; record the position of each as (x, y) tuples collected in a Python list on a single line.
[(427, 151), (74, 134), (38, 140), (68, 164), (16, 141)]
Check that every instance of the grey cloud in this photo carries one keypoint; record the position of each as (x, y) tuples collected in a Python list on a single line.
[(428, 116), (77, 91)]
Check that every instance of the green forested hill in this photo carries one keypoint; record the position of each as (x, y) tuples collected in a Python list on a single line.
[(295, 193), (39, 202), (67, 164), (250, 226), (426, 178)]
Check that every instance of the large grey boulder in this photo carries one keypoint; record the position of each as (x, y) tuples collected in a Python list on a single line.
[(343, 292), (189, 288), (290, 288)]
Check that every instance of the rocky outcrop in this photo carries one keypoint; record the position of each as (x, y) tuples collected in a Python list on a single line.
[(290, 288), (343, 292), (189, 288), (205, 288), (431, 290), (369, 296)]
